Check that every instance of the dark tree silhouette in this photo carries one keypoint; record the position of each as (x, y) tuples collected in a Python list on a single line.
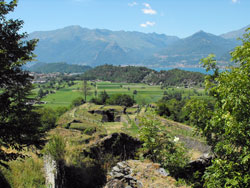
[(19, 124)]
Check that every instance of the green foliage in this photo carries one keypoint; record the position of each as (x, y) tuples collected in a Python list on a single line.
[(175, 77), (183, 106), (103, 97), (57, 67), (227, 131), (86, 90), (55, 148), (19, 124), (112, 73), (172, 95), (61, 110), (48, 118), (121, 99), (77, 101), (199, 112), (27, 173), (131, 74), (160, 146)]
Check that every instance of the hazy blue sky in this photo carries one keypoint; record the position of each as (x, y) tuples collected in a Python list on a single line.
[(172, 17)]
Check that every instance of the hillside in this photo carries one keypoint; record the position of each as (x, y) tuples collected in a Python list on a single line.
[(175, 77), (188, 51), (235, 34), (132, 74), (77, 45), (129, 74), (57, 67)]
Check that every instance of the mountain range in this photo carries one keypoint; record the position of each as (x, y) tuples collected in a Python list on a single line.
[(93, 47)]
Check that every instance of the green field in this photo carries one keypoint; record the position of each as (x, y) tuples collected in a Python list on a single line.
[(145, 93)]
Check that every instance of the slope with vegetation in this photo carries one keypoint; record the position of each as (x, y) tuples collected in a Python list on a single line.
[(129, 74), (57, 67), (77, 45), (132, 74), (226, 127), (90, 139)]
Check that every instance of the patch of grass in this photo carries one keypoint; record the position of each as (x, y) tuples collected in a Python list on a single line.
[(25, 173), (145, 93)]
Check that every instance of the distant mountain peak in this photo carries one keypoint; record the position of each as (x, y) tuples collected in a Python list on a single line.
[(202, 33), (78, 45), (235, 34), (73, 27)]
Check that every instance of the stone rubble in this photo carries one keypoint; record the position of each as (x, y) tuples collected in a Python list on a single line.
[(121, 177)]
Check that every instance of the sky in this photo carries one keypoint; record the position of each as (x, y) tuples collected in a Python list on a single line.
[(179, 18)]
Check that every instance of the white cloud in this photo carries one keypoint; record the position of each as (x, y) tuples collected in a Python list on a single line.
[(132, 4), (147, 5), (148, 23), (148, 9), (235, 1)]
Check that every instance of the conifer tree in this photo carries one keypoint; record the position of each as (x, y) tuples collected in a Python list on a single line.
[(19, 124)]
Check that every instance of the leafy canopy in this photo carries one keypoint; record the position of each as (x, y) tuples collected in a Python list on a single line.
[(19, 124), (228, 128)]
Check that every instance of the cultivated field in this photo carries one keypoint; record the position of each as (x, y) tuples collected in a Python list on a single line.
[(145, 94)]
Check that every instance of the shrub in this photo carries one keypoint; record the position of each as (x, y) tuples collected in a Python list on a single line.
[(48, 118), (55, 148), (77, 101), (121, 99), (160, 146), (25, 173)]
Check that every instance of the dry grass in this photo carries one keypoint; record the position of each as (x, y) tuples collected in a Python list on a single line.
[(113, 127), (194, 154), (146, 172)]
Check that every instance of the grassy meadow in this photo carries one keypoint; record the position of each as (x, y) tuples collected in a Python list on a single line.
[(145, 93)]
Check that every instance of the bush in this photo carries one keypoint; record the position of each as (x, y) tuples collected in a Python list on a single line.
[(77, 101), (26, 173), (61, 110), (55, 148), (160, 146), (48, 118), (121, 99)]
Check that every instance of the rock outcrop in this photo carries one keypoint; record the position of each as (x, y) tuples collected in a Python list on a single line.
[(54, 172), (138, 174), (198, 165)]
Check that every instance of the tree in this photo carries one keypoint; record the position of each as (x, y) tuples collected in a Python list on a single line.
[(228, 130), (77, 101), (199, 112), (103, 97), (121, 99), (48, 118), (86, 89), (40, 93), (159, 145), (19, 124)]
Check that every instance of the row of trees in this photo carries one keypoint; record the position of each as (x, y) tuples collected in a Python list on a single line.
[(116, 99), (177, 107), (133, 74)]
